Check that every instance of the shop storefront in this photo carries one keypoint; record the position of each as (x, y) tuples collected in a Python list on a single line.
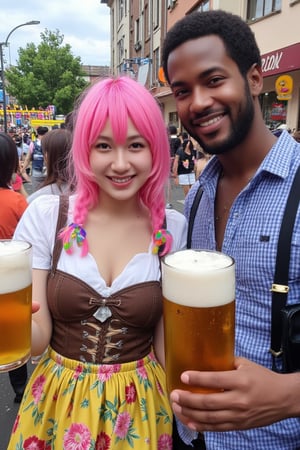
[(281, 66)]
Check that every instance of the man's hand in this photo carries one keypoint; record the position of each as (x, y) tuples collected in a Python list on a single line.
[(250, 396)]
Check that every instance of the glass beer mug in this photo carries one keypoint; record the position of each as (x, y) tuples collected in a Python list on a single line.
[(199, 313), (15, 303)]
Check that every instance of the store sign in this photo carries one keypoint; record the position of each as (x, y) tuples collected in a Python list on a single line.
[(284, 87), (282, 60)]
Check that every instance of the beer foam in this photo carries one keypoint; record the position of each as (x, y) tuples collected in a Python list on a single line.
[(198, 278), (15, 266)]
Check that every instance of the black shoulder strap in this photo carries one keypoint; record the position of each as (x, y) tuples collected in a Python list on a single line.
[(193, 212), (280, 285)]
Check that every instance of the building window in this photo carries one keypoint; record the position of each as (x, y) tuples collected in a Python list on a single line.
[(204, 6), (260, 8), (146, 22), (155, 64), (274, 111), (121, 11), (120, 50), (156, 11), (137, 30)]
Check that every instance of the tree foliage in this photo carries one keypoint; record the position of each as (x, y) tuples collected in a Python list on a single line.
[(47, 74)]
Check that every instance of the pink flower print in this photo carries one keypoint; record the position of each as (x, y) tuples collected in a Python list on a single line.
[(142, 371), (34, 443), (58, 360), (78, 372), (37, 388), (102, 442), (122, 425), (152, 356), (105, 372), (117, 368), (77, 437), (16, 423), (140, 363), (159, 387), (164, 442), (130, 393)]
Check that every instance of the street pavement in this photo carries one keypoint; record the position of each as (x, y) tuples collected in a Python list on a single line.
[(8, 409)]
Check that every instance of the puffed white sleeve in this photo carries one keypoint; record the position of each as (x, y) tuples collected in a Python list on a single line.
[(177, 225), (37, 226)]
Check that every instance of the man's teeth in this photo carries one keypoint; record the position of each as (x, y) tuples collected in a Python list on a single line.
[(210, 122), (121, 180)]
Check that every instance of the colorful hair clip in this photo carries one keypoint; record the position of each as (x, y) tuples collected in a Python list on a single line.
[(159, 240), (77, 233)]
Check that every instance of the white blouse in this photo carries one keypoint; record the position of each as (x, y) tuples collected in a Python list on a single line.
[(38, 226)]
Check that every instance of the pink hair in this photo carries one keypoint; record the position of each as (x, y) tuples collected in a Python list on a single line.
[(119, 99)]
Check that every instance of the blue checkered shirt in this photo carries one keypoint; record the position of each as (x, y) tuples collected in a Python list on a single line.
[(251, 237)]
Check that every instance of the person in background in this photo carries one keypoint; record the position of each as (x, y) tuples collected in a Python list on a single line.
[(56, 147), (12, 206), (17, 182), (17, 179), (174, 144), (184, 166), (36, 158), (213, 66), (296, 135), (101, 382)]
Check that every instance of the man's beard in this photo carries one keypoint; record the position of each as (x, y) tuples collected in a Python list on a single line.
[(239, 131)]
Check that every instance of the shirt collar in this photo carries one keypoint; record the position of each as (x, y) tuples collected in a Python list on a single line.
[(277, 161)]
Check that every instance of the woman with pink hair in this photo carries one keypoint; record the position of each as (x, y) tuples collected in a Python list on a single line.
[(100, 383)]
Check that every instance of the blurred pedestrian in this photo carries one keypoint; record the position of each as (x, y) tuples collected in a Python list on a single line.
[(35, 157), (184, 166), (296, 135), (56, 147)]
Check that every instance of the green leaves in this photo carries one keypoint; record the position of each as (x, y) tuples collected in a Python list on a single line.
[(47, 74)]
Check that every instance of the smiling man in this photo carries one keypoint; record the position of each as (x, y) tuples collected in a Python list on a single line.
[(212, 63)]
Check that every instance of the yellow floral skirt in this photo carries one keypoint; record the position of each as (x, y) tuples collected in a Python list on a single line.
[(70, 405)]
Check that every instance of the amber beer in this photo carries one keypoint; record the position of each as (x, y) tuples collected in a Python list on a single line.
[(15, 304), (199, 313)]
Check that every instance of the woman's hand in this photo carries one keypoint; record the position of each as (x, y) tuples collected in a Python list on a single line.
[(35, 307)]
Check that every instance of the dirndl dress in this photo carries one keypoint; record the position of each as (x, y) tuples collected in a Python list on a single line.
[(70, 405)]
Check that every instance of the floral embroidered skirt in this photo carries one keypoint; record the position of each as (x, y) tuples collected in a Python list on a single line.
[(69, 405)]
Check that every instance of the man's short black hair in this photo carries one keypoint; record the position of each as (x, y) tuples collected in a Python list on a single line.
[(42, 130), (236, 35)]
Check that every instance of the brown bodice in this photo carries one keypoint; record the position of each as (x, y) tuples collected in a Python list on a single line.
[(123, 328), (124, 336)]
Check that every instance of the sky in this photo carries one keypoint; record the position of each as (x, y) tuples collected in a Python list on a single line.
[(85, 25)]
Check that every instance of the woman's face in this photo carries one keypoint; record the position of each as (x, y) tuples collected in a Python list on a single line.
[(120, 170)]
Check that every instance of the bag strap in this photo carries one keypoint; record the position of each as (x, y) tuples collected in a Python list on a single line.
[(280, 285), (193, 212)]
